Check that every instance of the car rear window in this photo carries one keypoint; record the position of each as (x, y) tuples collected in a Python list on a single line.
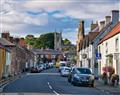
[(83, 71), (67, 69), (62, 64)]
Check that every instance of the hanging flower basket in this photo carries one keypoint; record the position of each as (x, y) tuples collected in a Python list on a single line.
[(108, 69)]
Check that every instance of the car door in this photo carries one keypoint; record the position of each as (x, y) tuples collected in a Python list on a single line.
[(73, 72)]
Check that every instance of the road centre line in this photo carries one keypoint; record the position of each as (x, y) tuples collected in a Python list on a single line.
[(52, 88), (55, 92)]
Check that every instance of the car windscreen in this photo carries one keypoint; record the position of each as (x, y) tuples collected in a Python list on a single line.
[(83, 71), (62, 64), (67, 69)]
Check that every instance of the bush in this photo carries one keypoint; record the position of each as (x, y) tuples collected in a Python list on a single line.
[(105, 78), (114, 79)]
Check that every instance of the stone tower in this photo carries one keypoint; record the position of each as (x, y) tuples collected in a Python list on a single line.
[(80, 37), (57, 40)]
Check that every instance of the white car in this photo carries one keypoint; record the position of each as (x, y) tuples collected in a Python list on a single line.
[(65, 71), (62, 65), (51, 64)]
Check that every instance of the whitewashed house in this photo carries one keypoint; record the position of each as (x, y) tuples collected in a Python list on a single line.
[(109, 48), (104, 28), (86, 50)]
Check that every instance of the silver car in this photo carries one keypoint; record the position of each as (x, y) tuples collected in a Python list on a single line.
[(65, 71)]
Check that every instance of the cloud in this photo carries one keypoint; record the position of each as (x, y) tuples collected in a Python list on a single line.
[(42, 16), (71, 34), (76, 9), (12, 18)]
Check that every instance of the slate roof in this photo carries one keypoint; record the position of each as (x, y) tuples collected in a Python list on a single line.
[(115, 30), (88, 39), (46, 51), (5, 42)]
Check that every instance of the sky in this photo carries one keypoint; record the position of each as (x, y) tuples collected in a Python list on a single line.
[(36, 17)]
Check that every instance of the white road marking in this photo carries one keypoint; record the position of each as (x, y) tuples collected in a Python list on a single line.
[(49, 86), (52, 89), (55, 92)]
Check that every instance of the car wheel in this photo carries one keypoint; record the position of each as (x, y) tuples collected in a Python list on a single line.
[(92, 85), (69, 80), (72, 81)]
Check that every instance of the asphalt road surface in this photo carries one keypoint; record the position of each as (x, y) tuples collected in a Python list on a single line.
[(48, 82)]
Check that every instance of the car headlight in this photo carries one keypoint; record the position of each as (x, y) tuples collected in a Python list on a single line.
[(92, 77)]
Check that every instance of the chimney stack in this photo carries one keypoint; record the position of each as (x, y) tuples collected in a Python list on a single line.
[(81, 28), (6, 35), (107, 19), (102, 25), (11, 39), (115, 17), (93, 25)]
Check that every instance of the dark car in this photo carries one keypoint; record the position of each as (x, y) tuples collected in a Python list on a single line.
[(81, 76), (34, 70)]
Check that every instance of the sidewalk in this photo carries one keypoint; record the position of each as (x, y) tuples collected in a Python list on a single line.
[(4, 82), (108, 89)]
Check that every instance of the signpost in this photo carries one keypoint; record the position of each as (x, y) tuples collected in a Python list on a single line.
[(98, 56)]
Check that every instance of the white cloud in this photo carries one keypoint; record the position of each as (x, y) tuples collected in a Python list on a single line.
[(71, 34), (15, 17), (77, 9)]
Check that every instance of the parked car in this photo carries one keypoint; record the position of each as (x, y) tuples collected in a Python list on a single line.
[(65, 71), (51, 64), (81, 76), (62, 65), (41, 67), (44, 66), (34, 70), (47, 65)]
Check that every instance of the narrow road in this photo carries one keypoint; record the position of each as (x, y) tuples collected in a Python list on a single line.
[(48, 82)]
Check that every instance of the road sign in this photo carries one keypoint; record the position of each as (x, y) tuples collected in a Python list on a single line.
[(98, 55)]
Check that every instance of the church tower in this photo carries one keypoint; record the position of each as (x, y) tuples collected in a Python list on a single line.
[(57, 40), (80, 37)]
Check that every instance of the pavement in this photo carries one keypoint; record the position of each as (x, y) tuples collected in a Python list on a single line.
[(49, 82), (107, 88), (7, 81)]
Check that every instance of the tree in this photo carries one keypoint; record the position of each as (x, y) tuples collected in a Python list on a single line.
[(66, 42), (45, 41), (30, 41)]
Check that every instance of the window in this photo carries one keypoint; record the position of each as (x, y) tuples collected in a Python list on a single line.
[(99, 49), (83, 71), (116, 45), (106, 47)]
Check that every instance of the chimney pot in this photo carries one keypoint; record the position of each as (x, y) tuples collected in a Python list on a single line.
[(107, 19), (102, 25), (93, 25), (115, 17)]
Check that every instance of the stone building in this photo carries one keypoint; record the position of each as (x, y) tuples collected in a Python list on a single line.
[(80, 37), (57, 41)]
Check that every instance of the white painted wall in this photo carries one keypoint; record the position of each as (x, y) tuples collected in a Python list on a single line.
[(89, 52), (111, 50)]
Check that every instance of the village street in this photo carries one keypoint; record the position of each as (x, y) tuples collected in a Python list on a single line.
[(48, 82)]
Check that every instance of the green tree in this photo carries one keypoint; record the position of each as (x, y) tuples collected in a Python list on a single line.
[(45, 41), (66, 42), (30, 41)]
